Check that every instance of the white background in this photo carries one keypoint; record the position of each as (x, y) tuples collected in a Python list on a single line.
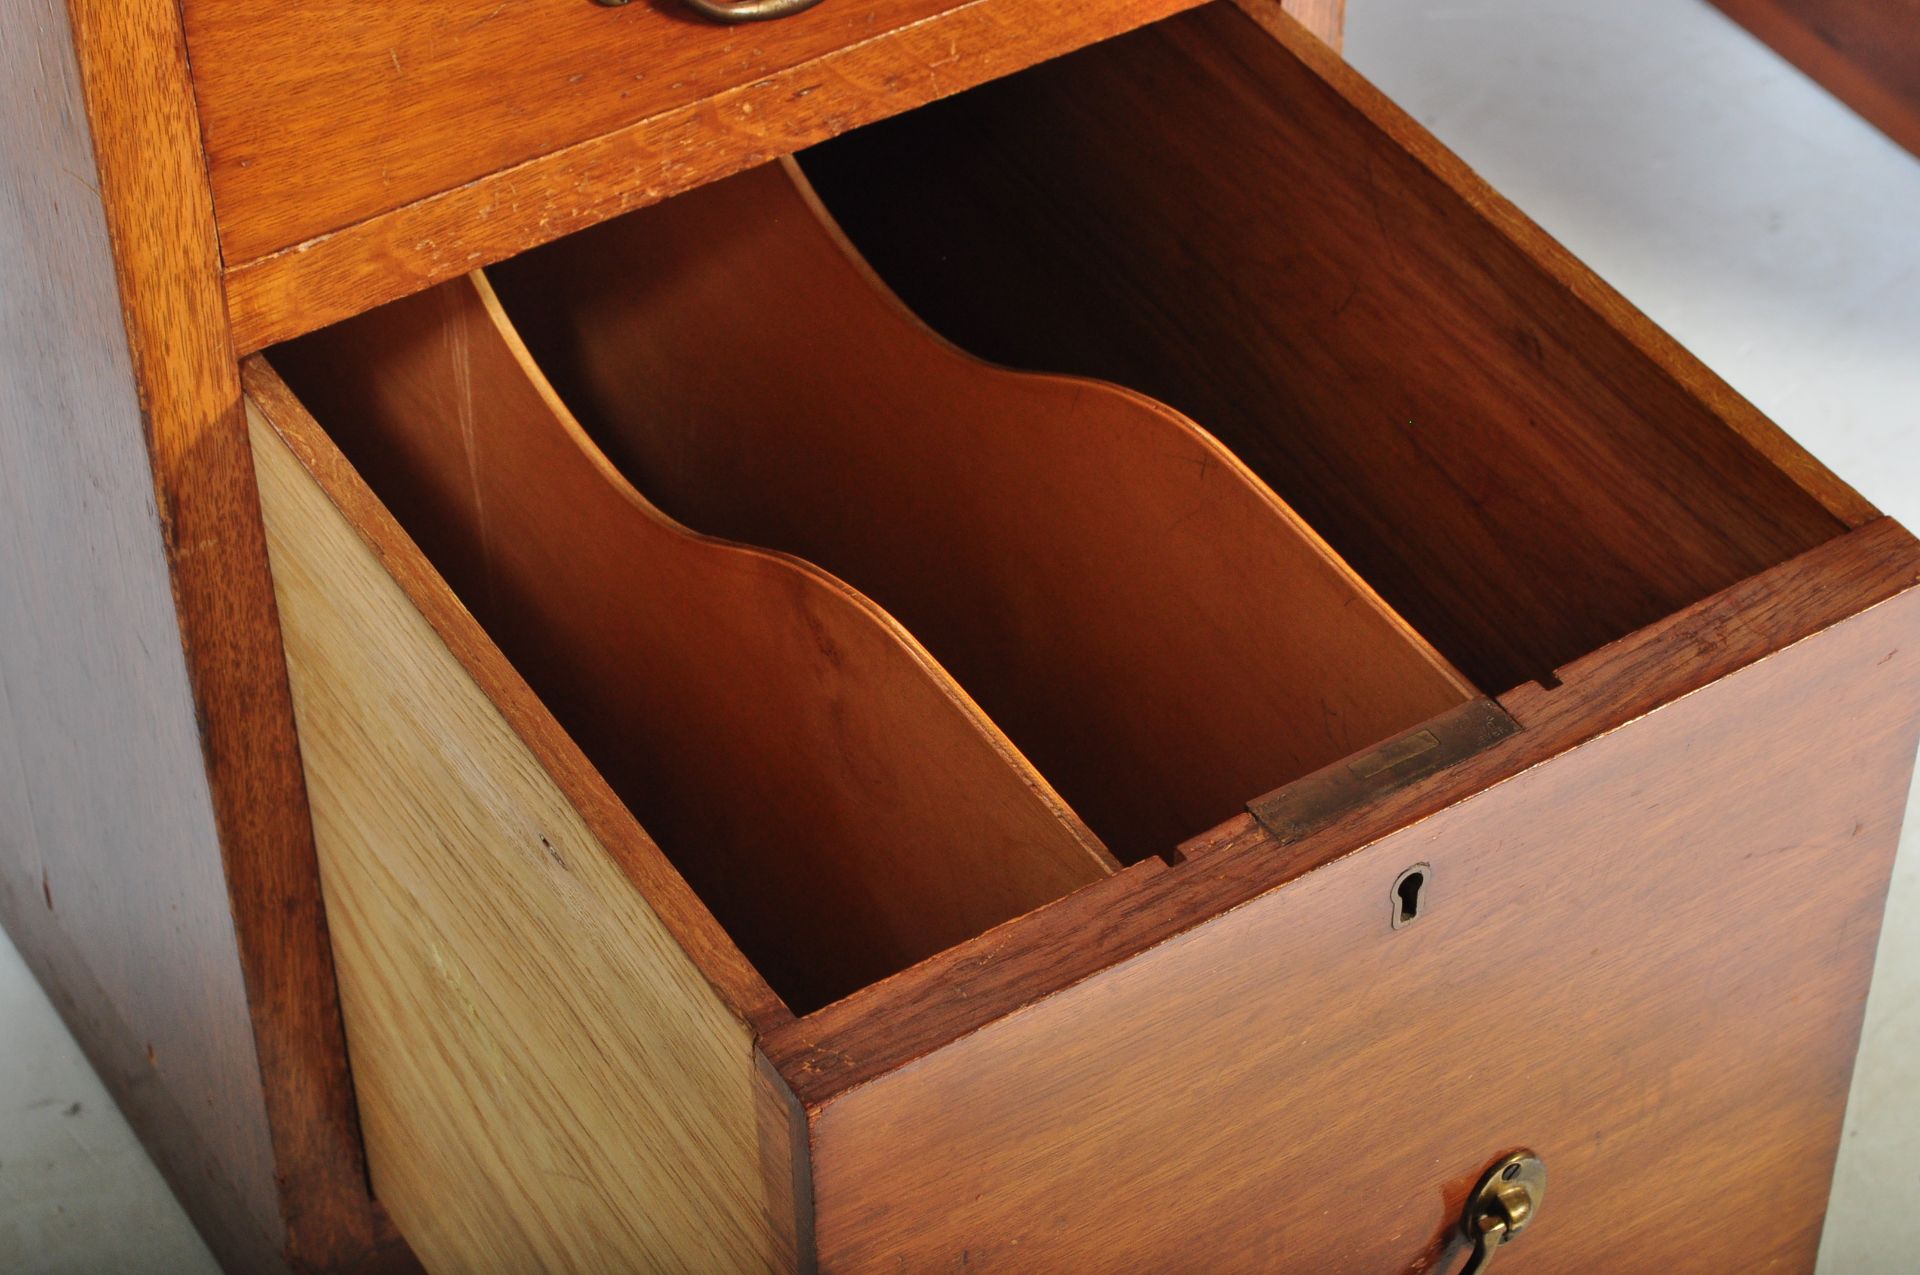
[(1751, 215)]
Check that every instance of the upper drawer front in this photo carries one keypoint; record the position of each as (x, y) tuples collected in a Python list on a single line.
[(324, 114)]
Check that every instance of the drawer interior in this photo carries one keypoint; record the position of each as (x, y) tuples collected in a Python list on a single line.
[(840, 805), (1500, 446), (885, 645), (972, 639), (1149, 624)]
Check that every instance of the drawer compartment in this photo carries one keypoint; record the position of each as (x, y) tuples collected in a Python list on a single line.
[(1651, 899), (1078, 555), (843, 808), (1524, 467), (1147, 622)]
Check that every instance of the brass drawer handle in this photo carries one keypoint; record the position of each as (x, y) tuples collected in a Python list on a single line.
[(738, 10), (1504, 1204)]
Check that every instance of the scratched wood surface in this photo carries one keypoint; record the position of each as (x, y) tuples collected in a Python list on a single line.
[(1142, 616)]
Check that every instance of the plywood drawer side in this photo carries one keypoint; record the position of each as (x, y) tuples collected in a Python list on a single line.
[(546, 1078)]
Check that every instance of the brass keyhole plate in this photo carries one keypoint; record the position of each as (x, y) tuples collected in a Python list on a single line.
[(1511, 1190)]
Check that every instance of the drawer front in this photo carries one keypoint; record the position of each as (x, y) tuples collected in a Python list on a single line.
[(360, 152), (321, 115), (1644, 960)]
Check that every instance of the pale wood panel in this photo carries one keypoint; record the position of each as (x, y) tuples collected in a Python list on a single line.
[(1146, 620), (1325, 18), (546, 1080), (740, 986), (842, 806)]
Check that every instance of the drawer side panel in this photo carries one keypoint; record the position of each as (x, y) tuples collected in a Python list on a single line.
[(546, 1079)]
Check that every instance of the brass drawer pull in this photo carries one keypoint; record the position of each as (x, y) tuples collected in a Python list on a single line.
[(738, 10), (1504, 1204)]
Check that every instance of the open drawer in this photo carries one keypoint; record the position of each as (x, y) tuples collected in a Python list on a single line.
[(1587, 706)]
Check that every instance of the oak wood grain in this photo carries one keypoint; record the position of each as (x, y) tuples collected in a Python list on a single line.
[(1221, 214), (741, 989), (842, 806), (159, 874), (334, 272), (547, 1080), (1160, 635), (1865, 52), (1646, 960)]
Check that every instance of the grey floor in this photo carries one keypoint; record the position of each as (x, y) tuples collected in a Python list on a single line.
[(1736, 203)]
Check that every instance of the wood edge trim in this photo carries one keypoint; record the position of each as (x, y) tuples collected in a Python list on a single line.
[(855, 1041), (334, 276), (741, 989), (1675, 362), (1797, 43), (787, 1157), (153, 187)]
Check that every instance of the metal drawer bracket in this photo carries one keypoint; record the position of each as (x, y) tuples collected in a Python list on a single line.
[(1308, 804)]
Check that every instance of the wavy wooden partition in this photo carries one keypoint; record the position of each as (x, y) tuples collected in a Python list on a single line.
[(838, 802), (1140, 613), (1524, 466)]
